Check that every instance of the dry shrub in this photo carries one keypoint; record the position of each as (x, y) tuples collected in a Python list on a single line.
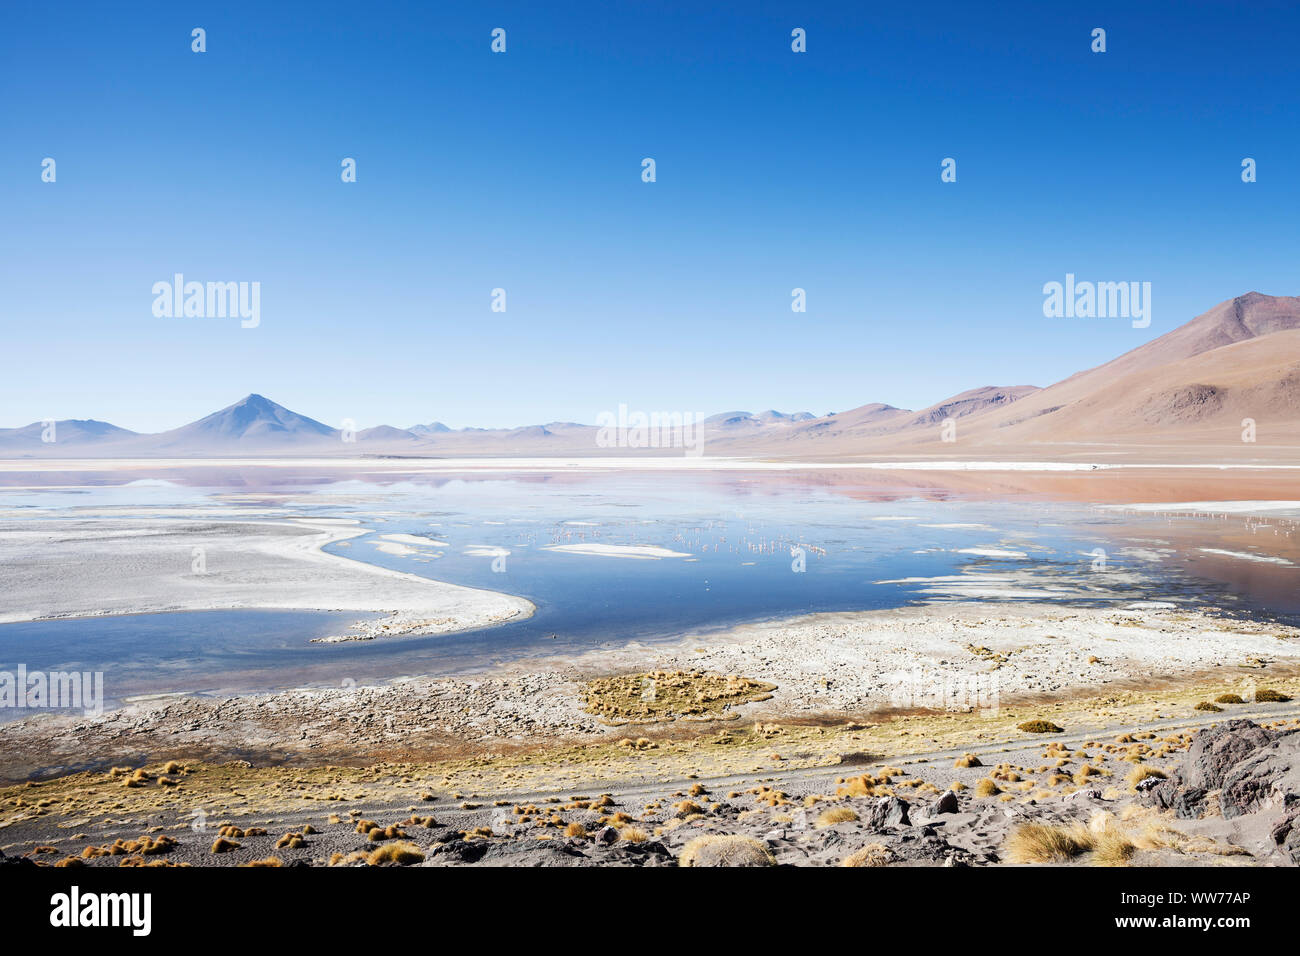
[(403, 854), (1085, 773), (873, 854), (863, 786), (730, 850), (1111, 845), (1047, 843), (1142, 773), (828, 818), (1040, 727)]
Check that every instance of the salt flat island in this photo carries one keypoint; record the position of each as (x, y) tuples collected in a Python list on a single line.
[(132, 564)]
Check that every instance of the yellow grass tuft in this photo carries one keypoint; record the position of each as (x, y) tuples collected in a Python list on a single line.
[(403, 854), (1142, 773), (873, 854), (1159, 836), (863, 786), (1040, 727), (731, 850), (1112, 847), (828, 818), (1085, 773), (1047, 843), (1267, 695)]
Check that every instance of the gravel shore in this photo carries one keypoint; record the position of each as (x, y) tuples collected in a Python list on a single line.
[(946, 657)]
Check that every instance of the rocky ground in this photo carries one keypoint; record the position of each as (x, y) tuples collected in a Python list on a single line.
[(1242, 773), (1222, 793)]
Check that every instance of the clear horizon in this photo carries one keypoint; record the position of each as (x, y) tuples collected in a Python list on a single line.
[(476, 171)]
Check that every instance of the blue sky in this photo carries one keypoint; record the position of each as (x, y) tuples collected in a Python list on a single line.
[(523, 171)]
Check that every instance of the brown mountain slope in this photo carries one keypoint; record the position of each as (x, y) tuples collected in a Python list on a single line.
[(1192, 386), (865, 426), (1246, 317), (1205, 396), (971, 402)]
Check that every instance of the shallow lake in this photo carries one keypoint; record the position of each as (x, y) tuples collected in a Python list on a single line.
[(740, 549)]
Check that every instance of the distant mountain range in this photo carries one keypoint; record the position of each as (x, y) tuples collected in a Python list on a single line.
[(1193, 387)]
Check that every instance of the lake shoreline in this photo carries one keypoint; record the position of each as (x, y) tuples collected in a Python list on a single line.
[(963, 656)]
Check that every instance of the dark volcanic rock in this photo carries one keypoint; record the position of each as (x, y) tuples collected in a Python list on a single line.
[(1216, 751), (1149, 783), (947, 803), (533, 853), (888, 812), (461, 851), (1286, 834), (931, 850), (1213, 754), (1189, 802), (1270, 777), (647, 853), (14, 860)]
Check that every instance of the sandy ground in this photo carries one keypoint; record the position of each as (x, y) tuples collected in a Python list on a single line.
[(134, 565)]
